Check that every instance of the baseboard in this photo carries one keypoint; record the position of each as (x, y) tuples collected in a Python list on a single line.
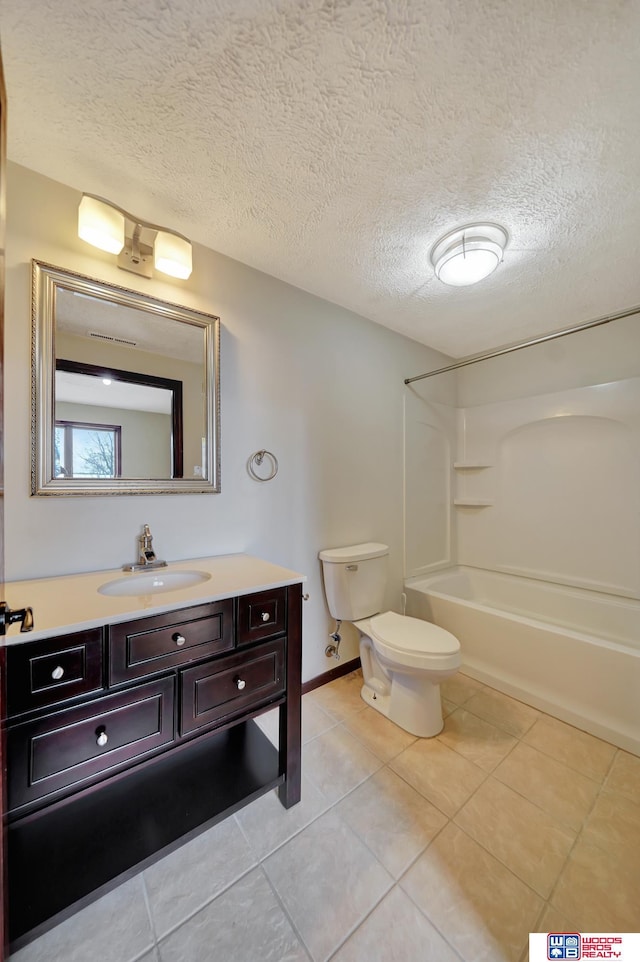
[(328, 676)]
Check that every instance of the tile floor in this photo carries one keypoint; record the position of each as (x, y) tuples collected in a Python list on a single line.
[(402, 849)]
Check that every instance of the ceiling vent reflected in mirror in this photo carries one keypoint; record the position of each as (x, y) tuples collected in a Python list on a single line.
[(113, 340)]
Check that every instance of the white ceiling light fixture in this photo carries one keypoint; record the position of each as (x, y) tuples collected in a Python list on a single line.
[(112, 229), (469, 254)]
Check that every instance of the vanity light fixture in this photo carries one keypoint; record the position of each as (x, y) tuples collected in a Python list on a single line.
[(112, 229), (469, 254)]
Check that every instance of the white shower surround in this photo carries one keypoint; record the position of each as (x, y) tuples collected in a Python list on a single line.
[(569, 652), (531, 483)]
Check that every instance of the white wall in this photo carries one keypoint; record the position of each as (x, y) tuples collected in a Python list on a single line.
[(319, 386), (598, 355)]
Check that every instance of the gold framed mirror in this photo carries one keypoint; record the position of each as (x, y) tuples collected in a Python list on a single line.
[(125, 391)]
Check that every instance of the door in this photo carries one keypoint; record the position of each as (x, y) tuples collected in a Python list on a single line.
[(3, 780), (24, 615)]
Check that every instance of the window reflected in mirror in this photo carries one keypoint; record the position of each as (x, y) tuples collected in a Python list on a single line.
[(87, 450)]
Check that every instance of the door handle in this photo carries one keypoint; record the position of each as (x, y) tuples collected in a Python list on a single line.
[(9, 617)]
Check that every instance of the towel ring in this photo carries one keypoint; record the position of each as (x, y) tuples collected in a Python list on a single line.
[(256, 460)]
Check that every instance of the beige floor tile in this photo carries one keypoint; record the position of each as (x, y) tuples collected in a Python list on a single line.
[(440, 774), (624, 777), (394, 821), (478, 740), (460, 688), (340, 698), (315, 721), (501, 710), (477, 904), (614, 825), (566, 796), (269, 723), (266, 824), (447, 707), (245, 922), (554, 921), (336, 763), (396, 931), (574, 748), (328, 881), (529, 842), (182, 882), (597, 892), (378, 734)]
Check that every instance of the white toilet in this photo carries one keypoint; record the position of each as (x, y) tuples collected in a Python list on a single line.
[(403, 659)]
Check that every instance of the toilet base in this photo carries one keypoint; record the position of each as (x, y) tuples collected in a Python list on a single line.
[(411, 702)]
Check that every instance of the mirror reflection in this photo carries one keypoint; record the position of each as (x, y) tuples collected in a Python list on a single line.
[(126, 395)]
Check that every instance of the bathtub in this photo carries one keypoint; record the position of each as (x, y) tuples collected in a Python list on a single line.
[(569, 652)]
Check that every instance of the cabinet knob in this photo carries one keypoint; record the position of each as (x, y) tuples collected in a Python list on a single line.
[(240, 683), (102, 738), (265, 616), (179, 639), (57, 673)]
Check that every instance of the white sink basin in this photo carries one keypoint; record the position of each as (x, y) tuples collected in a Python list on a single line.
[(153, 582)]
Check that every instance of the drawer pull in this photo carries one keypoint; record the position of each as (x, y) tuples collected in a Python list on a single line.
[(102, 738), (179, 639), (57, 673), (265, 616), (240, 683)]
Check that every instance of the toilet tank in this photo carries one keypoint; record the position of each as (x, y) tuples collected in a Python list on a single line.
[(355, 579)]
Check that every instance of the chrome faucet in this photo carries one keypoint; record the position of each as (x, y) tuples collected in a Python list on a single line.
[(146, 554)]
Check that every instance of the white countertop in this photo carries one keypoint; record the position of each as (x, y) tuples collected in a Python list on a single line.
[(72, 602)]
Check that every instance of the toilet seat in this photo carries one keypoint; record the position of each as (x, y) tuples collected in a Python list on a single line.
[(413, 643)]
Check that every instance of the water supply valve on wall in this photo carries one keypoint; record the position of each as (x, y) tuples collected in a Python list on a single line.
[(333, 651)]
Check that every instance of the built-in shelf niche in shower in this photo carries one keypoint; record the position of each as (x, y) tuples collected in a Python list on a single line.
[(464, 502), (472, 503)]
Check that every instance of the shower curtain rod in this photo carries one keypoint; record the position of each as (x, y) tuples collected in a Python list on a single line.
[(474, 358)]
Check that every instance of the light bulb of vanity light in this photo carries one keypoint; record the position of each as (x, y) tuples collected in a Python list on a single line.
[(100, 224), (106, 381), (172, 254)]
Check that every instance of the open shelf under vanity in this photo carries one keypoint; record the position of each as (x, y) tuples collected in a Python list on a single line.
[(106, 834)]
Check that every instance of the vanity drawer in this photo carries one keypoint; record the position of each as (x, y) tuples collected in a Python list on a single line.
[(149, 645), (41, 673), (262, 615), (69, 747), (214, 691)]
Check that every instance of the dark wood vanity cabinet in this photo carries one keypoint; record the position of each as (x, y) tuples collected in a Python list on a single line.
[(127, 740), (46, 672)]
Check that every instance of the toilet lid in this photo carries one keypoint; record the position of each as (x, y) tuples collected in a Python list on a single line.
[(412, 635)]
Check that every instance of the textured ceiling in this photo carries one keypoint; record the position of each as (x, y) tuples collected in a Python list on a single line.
[(331, 142)]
